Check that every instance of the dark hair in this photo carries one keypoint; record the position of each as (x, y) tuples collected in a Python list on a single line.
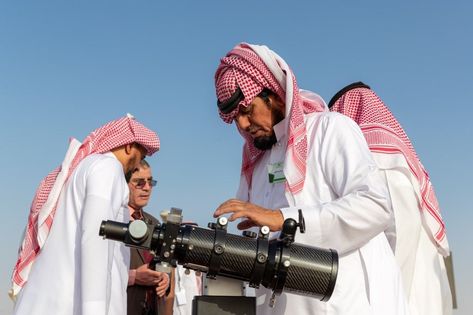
[(265, 94), (143, 164)]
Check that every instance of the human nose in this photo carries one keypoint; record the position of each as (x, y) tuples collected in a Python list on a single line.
[(243, 122)]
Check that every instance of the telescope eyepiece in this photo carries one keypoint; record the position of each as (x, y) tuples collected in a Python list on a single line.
[(102, 228)]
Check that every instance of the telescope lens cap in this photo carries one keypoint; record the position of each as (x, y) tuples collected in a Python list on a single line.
[(138, 230)]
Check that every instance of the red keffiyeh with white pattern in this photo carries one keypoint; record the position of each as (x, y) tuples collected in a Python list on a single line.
[(385, 135), (116, 133), (253, 68)]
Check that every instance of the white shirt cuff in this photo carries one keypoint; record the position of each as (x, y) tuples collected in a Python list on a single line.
[(131, 277)]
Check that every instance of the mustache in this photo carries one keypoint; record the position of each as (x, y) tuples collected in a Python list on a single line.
[(253, 129)]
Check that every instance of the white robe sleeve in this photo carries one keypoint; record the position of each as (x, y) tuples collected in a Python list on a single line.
[(96, 254), (360, 207)]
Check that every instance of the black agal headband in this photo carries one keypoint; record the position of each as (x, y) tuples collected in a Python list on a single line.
[(346, 89), (230, 104)]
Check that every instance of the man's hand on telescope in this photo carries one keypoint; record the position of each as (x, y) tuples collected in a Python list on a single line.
[(254, 215), (162, 285), (149, 277)]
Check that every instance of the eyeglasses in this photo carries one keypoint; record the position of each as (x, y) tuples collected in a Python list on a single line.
[(141, 182)]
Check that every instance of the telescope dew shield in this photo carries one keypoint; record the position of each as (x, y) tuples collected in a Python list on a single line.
[(312, 269)]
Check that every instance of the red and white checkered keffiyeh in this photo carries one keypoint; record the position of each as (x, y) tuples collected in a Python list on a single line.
[(253, 68), (116, 133), (385, 135)]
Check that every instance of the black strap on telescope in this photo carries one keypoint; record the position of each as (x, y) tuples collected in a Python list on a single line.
[(260, 262), (217, 251), (282, 270)]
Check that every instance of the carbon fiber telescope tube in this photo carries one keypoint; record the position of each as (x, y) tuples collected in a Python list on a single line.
[(280, 266)]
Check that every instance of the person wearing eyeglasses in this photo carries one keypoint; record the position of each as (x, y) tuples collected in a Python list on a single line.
[(145, 285)]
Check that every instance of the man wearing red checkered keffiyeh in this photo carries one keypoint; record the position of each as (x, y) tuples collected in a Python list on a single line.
[(299, 156), (418, 237), (63, 266)]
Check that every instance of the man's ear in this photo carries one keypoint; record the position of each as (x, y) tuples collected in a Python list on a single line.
[(128, 148)]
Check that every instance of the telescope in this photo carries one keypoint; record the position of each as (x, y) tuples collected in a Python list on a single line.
[(277, 264)]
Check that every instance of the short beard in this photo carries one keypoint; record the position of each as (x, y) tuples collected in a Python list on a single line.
[(265, 142)]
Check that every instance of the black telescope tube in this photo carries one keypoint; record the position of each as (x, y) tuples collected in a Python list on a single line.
[(312, 270), (236, 261), (296, 268)]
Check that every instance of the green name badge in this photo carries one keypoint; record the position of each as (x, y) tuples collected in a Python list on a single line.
[(276, 173)]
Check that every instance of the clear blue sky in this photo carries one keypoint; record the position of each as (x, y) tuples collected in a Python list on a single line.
[(67, 68)]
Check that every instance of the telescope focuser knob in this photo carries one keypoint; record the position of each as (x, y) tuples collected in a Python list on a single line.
[(264, 231), (221, 224)]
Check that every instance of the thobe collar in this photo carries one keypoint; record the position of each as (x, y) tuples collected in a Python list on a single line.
[(280, 131)]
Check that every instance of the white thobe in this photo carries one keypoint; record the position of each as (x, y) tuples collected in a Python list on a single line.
[(186, 287), (346, 207), (422, 266), (77, 271)]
